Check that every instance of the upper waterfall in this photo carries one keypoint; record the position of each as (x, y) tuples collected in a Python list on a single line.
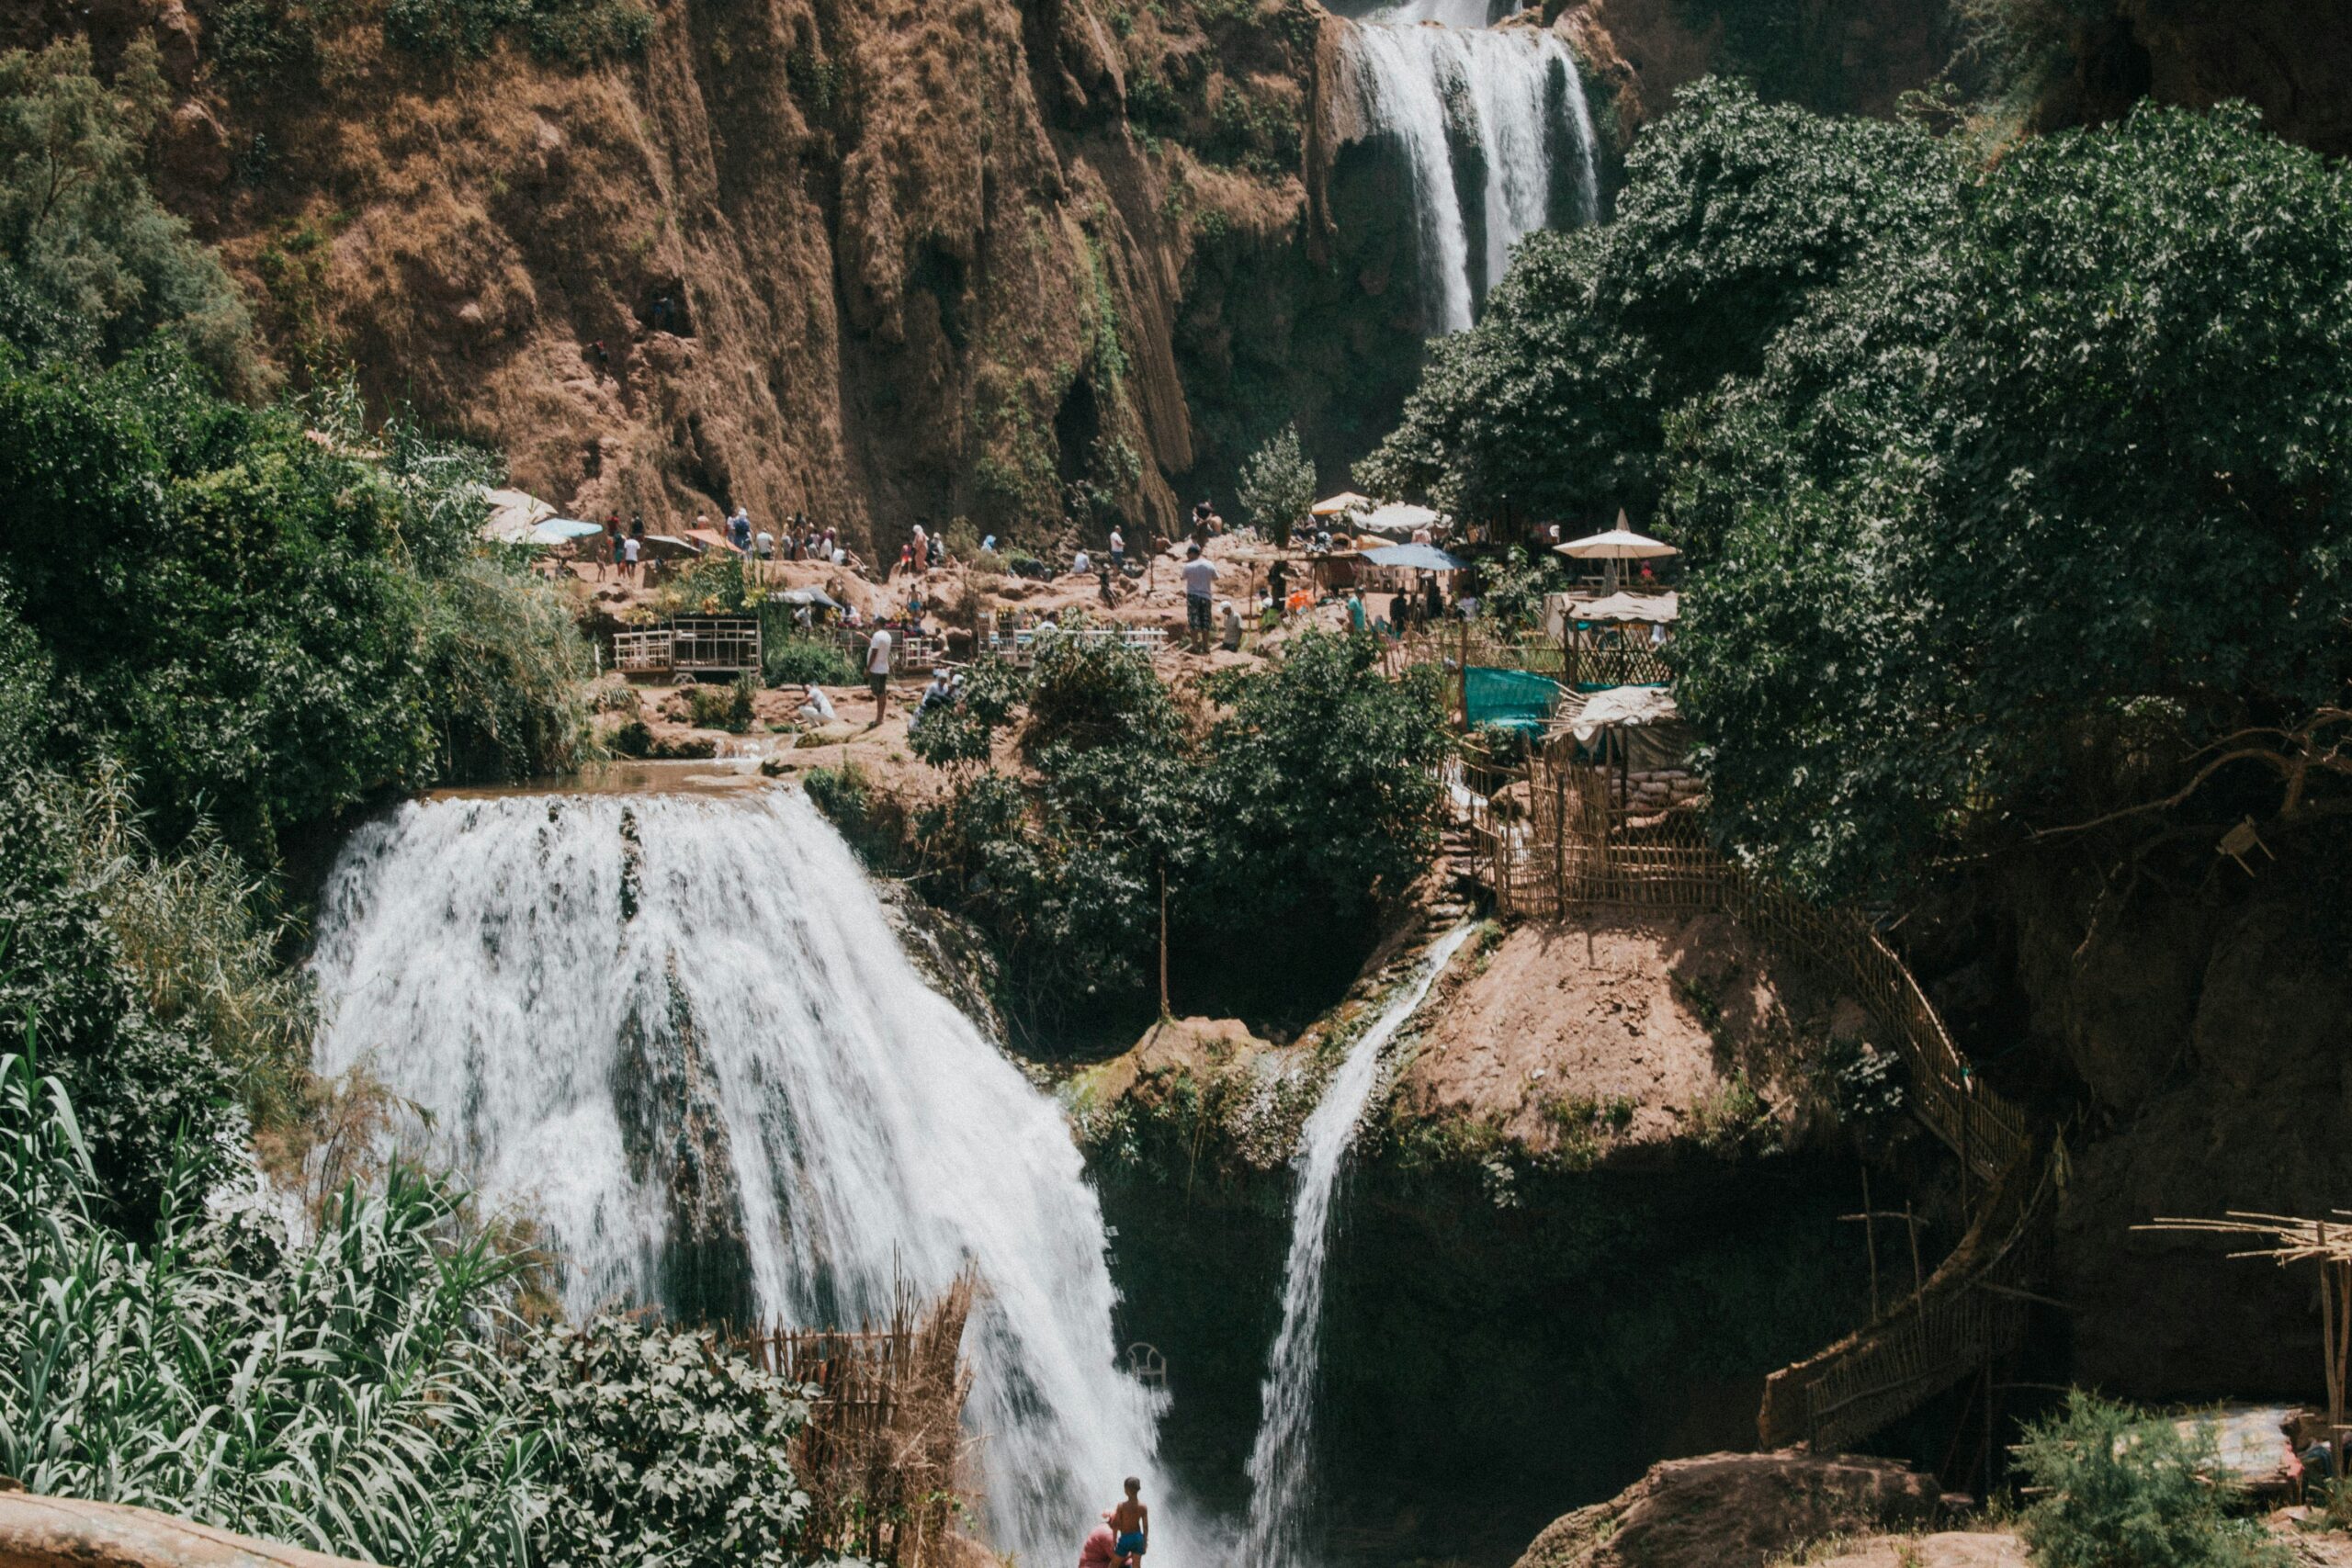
[(1485, 117), (683, 1032)]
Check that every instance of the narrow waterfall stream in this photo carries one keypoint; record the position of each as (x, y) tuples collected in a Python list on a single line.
[(1481, 114), (682, 1032), (1282, 1460)]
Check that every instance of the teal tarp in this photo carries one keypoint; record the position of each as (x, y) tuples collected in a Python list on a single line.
[(1508, 699)]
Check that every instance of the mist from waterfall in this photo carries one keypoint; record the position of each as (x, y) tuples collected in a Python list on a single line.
[(1433, 75), (1282, 1460), (620, 1009)]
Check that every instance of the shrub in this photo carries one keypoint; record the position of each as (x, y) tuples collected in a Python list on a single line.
[(807, 662), (2122, 1489), (265, 630), (338, 1393), (665, 1449), (727, 707)]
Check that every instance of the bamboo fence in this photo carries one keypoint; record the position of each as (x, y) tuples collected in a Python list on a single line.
[(881, 1456), (1553, 838)]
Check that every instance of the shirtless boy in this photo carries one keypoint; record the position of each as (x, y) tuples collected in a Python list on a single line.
[(1132, 1522)]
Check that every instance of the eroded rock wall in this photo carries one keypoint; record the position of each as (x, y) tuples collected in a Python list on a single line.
[(1033, 263)]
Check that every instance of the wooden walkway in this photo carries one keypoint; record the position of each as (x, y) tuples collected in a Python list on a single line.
[(1548, 840)]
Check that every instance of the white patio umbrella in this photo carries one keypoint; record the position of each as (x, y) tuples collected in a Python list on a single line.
[(1619, 543)]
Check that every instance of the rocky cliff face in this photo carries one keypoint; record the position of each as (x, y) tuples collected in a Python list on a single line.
[(1018, 261), (2187, 1025), (2291, 59)]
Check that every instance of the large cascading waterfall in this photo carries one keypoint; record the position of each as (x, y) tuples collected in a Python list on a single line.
[(1281, 1459), (683, 1031), (1481, 115)]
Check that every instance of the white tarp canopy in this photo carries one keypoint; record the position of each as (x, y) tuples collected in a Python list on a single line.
[(512, 514), (1561, 610), (1399, 518), (1628, 705), (1659, 608)]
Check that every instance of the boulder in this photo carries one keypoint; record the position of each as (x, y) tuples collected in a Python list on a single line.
[(1737, 1511)]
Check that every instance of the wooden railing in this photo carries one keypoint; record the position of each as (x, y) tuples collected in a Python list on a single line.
[(1552, 840)]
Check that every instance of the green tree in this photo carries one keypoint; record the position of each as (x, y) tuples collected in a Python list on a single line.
[(1736, 214), (1277, 486), (265, 630), (2011, 529), (88, 257)]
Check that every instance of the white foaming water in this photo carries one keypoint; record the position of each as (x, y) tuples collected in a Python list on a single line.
[(475, 956), (1431, 73), (1281, 1459)]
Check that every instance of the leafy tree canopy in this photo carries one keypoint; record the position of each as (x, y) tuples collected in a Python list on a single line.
[(1736, 214), (2005, 531), (88, 257)]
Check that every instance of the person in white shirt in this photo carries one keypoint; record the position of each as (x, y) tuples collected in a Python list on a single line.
[(1200, 582), (816, 707), (1118, 551), (878, 675), (1082, 565)]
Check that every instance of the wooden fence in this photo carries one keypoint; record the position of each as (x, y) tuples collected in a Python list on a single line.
[(1550, 839), (699, 646), (881, 1456)]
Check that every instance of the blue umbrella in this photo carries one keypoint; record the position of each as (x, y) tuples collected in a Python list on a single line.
[(562, 530), (1415, 558)]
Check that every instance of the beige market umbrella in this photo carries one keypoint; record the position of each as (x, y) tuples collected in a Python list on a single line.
[(1346, 503), (1619, 543)]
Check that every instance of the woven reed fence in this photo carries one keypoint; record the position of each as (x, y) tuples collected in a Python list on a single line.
[(881, 1457), (1553, 841)]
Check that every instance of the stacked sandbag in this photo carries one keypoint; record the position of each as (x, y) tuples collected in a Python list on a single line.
[(1656, 789)]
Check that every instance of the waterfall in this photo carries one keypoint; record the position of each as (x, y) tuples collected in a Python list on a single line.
[(1432, 74), (682, 1032), (1281, 1459)]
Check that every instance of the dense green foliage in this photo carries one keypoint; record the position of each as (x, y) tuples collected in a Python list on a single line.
[(807, 662), (2121, 1489), (1735, 212), (1276, 486), (264, 631), (2008, 531), (2006, 490), (369, 1390), (1272, 827), (662, 1452), (216, 1372), (89, 260)]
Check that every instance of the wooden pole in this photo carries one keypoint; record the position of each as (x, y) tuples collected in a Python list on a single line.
[(1918, 1276), (1164, 1013), (1870, 1240)]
